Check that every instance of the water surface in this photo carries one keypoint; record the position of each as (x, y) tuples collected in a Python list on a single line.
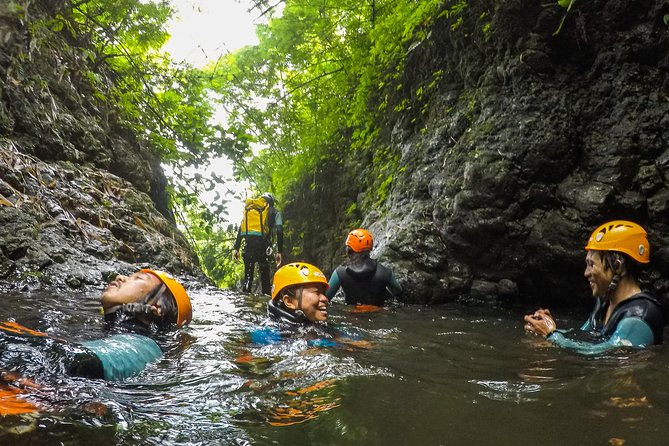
[(448, 375)]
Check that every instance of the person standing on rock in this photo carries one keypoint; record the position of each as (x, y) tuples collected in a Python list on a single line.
[(365, 281), (259, 219), (623, 316)]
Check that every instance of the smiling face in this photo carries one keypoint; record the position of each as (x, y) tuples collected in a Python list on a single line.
[(314, 303), (126, 289), (598, 275)]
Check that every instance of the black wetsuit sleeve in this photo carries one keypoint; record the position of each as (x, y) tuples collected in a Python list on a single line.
[(86, 365), (394, 285), (238, 240)]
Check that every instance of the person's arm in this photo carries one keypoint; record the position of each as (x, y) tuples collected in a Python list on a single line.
[(124, 355), (630, 332), (394, 286), (278, 223), (334, 285), (238, 244), (265, 336)]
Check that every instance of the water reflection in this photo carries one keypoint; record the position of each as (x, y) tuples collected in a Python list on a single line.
[(445, 375)]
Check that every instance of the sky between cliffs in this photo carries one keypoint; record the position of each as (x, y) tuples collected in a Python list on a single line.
[(201, 31)]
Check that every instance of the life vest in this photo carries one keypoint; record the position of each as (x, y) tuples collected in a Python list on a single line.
[(256, 217), (643, 305), (366, 284)]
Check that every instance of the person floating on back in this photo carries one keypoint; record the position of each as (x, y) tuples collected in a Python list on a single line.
[(134, 306), (365, 281), (623, 314), (259, 219)]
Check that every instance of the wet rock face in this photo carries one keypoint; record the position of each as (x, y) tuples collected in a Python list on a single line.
[(531, 141), (81, 196), (68, 225), (49, 108)]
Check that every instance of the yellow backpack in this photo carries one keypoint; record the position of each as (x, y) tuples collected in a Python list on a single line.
[(256, 215)]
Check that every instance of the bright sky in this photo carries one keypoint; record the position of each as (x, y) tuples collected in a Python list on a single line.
[(202, 31)]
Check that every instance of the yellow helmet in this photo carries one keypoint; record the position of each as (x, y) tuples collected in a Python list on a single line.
[(622, 236), (296, 274), (184, 307)]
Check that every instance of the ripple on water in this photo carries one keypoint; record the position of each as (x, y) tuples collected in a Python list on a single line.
[(414, 375)]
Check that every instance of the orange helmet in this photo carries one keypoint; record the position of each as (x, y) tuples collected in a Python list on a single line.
[(184, 307), (296, 274), (360, 240), (622, 236)]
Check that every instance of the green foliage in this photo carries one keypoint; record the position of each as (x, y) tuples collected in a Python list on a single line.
[(212, 242), (110, 51), (118, 55), (318, 84), (304, 108), (567, 4)]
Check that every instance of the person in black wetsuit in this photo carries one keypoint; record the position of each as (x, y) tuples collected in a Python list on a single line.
[(260, 219), (623, 314), (365, 281)]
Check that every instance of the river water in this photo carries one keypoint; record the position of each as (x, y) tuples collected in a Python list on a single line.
[(446, 375)]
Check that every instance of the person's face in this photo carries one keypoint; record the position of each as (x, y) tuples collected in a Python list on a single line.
[(314, 302), (127, 289), (599, 277)]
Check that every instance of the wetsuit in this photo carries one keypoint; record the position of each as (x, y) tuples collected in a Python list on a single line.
[(115, 358), (370, 283), (317, 334), (256, 250), (635, 322)]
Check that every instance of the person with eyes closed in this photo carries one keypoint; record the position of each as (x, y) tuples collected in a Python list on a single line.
[(135, 308)]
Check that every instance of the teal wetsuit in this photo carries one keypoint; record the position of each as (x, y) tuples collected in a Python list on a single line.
[(636, 322), (124, 355), (113, 358)]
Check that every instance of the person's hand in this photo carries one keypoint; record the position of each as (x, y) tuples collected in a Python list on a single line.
[(278, 259), (540, 322), (235, 255), (360, 343)]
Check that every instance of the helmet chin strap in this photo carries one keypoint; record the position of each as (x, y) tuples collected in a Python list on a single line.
[(618, 274), (613, 285), (299, 311), (145, 307)]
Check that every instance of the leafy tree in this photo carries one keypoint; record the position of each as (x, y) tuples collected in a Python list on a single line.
[(315, 91)]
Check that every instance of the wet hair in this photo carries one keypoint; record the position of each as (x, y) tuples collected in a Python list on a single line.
[(356, 258), (291, 291), (621, 264), (168, 308)]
